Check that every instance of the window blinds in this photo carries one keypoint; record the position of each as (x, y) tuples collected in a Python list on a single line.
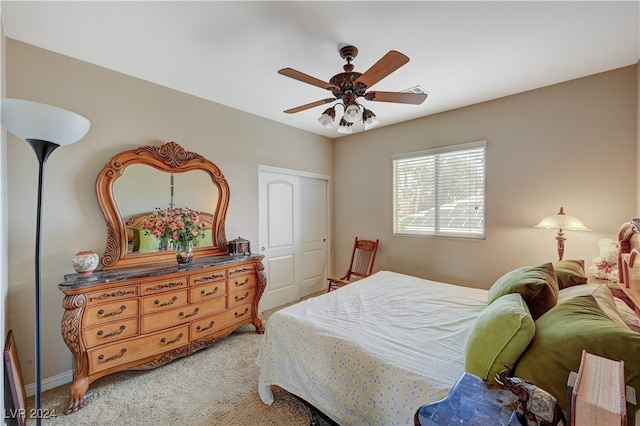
[(440, 191)]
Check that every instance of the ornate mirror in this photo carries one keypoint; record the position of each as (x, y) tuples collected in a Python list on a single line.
[(140, 181)]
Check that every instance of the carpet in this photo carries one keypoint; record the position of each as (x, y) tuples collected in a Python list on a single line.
[(216, 386)]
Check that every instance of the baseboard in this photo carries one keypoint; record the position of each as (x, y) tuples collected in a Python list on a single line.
[(50, 383)]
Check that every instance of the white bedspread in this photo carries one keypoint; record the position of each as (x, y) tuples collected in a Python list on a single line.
[(372, 352)]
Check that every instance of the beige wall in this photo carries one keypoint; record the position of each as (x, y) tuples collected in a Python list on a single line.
[(570, 145), (125, 113)]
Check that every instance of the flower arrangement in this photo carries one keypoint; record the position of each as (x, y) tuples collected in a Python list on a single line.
[(179, 225)]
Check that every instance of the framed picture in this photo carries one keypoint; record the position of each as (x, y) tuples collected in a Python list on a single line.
[(14, 378)]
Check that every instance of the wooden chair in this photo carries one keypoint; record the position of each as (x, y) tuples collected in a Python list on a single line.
[(362, 258)]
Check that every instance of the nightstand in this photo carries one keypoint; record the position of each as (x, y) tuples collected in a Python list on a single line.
[(472, 401)]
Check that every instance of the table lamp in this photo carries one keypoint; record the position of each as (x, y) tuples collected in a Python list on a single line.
[(562, 221)]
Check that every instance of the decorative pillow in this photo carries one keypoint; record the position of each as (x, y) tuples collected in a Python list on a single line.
[(136, 239), (628, 315), (562, 334), (570, 273), (147, 242), (499, 335), (602, 295), (205, 239), (537, 285)]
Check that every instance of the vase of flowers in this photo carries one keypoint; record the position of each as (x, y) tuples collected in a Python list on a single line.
[(178, 227), (184, 251)]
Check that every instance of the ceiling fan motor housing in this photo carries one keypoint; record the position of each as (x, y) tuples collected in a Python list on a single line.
[(345, 82)]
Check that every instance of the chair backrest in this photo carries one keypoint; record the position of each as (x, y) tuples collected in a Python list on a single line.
[(362, 258)]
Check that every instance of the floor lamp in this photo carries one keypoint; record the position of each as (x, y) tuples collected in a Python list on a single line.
[(45, 128)]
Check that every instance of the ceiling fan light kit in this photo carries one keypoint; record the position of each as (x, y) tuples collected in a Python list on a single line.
[(345, 127), (328, 117), (349, 85)]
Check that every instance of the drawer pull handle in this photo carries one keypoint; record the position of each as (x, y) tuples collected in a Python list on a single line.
[(239, 298), (165, 285), (201, 329), (113, 333), (118, 293), (209, 278), (170, 302), (164, 341), (239, 284), (183, 315), (204, 293), (238, 315), (110, 314), (111, 358), (241, 270)]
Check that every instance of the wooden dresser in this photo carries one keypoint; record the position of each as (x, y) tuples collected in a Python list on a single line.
[(144, 317)]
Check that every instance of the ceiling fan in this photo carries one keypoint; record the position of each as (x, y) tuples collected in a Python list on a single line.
[(350, 85)]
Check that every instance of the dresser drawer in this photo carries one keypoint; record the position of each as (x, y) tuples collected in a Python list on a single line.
[(152, 287), (204, 327), (111, 295), (107, 312), (110, 332), (164, 301), (241, 282), (239, 313), (242, 296), (207, 291), (239, 270), (115, 354), (181, 315), (208, 277)]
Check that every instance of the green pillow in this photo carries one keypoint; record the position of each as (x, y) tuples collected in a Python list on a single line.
[(136, 239), (537, 285), (570, 273), (562, 334), (499, 335), (601, 294), (204, 239), (147, 241)]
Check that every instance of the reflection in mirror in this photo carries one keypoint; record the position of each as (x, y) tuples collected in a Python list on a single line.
[(145, 189), (140, 181)]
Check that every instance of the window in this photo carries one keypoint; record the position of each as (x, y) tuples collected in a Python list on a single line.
[(440, 191)]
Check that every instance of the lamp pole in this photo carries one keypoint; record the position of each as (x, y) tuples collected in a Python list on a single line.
[(42, 150)]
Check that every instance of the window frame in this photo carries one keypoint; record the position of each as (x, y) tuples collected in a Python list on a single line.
[(432, 155)]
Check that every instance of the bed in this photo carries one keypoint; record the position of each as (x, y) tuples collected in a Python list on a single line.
[(373, 352)]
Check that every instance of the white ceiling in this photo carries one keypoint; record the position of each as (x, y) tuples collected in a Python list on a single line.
[(229, 52)]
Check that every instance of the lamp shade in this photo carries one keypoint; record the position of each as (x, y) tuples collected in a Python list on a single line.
[(327, 118), (33, 120), (369, 119), (352, 113), (562, 221)]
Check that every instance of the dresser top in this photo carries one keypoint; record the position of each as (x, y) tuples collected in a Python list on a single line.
[(75, 281)]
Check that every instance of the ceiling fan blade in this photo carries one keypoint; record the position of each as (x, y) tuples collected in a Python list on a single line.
[(300, 76), (311, 105), (398, 97), (385, 66)]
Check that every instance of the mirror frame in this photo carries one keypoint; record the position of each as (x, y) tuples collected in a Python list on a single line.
[(171, 158)]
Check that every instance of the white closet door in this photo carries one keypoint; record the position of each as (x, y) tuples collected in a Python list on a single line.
[(293, 235)]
